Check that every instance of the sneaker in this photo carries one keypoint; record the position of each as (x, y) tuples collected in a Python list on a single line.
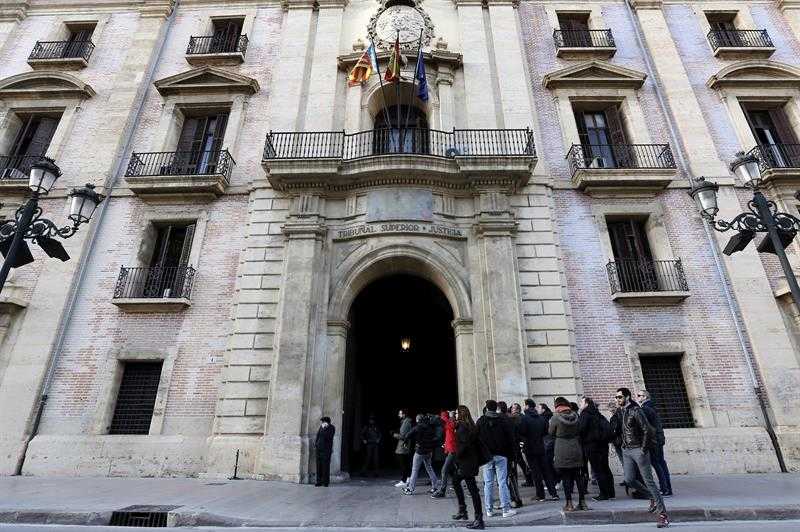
[(400, 484), (407, 491), (432, 491), (492, 513), (554, 497), (600, 498), (538, 499), (663, 520), (437, 495), (509, 513)]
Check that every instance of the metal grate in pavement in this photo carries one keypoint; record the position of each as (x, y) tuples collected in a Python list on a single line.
[(142, 516)]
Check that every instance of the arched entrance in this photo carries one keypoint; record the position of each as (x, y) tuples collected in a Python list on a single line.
[(382, 375)]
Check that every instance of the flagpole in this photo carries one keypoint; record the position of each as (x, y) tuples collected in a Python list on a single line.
[(397, 88), (380, 78), (413, 84)]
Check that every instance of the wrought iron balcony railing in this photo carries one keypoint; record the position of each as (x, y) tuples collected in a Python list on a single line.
[(216, 44), (607, 156), (174, 282), (777, 155), (407, 141), (62, 50), (13, 167), (739, 39), (181, 163), (583, 39), (633, 275)]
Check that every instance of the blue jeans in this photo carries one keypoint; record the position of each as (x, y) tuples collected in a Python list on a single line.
[(420, 459), (498, 465)]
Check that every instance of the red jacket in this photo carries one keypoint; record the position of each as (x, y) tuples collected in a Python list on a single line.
[(449, 433)]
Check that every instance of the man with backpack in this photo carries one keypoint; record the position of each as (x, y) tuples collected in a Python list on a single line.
[(595, 435)]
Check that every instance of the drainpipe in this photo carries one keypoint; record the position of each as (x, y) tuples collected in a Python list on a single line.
[(732, 304), (94, 230)]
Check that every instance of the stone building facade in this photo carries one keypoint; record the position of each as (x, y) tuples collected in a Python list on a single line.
[(542, 192)]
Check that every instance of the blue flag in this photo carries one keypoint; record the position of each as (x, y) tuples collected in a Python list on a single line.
[(422, 88)]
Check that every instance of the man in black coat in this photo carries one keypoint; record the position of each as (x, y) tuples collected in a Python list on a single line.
[(657, 447), (532, 430), (324, 449), (595, 433)]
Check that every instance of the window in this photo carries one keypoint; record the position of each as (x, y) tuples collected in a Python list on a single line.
[(602, 136), (575, 29), (723, 26), (166, 275), (136, 398), (199, 144), (225, 35), (632, 255), (663, 378), (401, 129), (31, 142), (79, 36), (774, 133)]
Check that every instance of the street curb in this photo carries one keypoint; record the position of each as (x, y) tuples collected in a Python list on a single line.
[(190, 518)]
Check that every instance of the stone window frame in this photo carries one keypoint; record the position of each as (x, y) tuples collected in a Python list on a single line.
[(165, 137), (156, 215), (247, 16), (596, 20), (10, 122), (630, 107), (61, 31), (111, 377), (655, 228), (690, 367), (743, 19)]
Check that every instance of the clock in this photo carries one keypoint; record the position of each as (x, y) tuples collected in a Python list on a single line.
[(408, 21)]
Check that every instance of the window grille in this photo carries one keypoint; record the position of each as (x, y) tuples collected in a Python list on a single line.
[(663, 378), (136, 398)]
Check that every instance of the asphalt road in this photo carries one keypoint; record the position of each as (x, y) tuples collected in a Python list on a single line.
[(725, 526)]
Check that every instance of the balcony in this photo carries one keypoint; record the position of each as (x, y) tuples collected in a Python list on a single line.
[(14, 171), (216, 50), (69, 55), (780, 163), (154, 289), (451, 156), (203, 173), (647, 282), (621, 167), (584, 43), (738, 44)]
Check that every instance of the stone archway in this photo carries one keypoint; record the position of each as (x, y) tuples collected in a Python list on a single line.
[(415, 259)]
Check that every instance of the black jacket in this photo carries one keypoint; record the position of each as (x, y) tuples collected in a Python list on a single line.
[(654, 419), (496, 433), (324, 441), (466, 451), (532, 430), (636, 431), (591, 433), (371, 435), (425, 437), (549, 441)]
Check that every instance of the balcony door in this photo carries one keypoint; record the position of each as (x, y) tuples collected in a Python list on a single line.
[(167, 272), (602, 138), (634, 261), (402, 129), (774, 134), (226, 36), (575, 29), (31, 142), (723, 26), (200, 144), (76, 43)]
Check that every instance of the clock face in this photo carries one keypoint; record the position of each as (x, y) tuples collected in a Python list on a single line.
[(405, 19)]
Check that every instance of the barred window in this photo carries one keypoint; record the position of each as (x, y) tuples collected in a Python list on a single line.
[(663, 378), (136, 398)]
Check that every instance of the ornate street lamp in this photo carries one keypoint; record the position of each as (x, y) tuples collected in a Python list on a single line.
[(28, 223), (762, 217)]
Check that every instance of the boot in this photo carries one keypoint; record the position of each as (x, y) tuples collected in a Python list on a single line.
[(582, 504), (461, 515), (477, 524), (568, 506)]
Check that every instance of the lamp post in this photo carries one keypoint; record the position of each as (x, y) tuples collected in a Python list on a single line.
[(762, 217), (28, 223)]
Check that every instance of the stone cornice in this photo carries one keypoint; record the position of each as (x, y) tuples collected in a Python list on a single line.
[(13, 10), (44, 84), (645, 4), (783, 5), (437, 57)]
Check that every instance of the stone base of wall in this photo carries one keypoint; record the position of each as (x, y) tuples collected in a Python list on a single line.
[(717, 451), (116, 456), (221, 456), (789, 440)]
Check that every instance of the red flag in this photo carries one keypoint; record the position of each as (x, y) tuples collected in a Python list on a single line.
[(396, 61)]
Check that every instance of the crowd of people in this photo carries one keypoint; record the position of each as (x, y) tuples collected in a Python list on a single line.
[(566, 447)]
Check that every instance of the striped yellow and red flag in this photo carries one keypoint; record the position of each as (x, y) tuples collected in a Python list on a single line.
[(396, 62), (364, 67)]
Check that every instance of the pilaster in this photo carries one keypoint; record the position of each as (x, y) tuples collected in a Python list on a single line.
[(287, 448), (11, 13), (324, 67), (447, 110), (791, 10), (333, 385), (478, 88)]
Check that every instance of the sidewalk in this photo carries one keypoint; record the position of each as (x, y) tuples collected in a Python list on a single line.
[(368, 503)]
